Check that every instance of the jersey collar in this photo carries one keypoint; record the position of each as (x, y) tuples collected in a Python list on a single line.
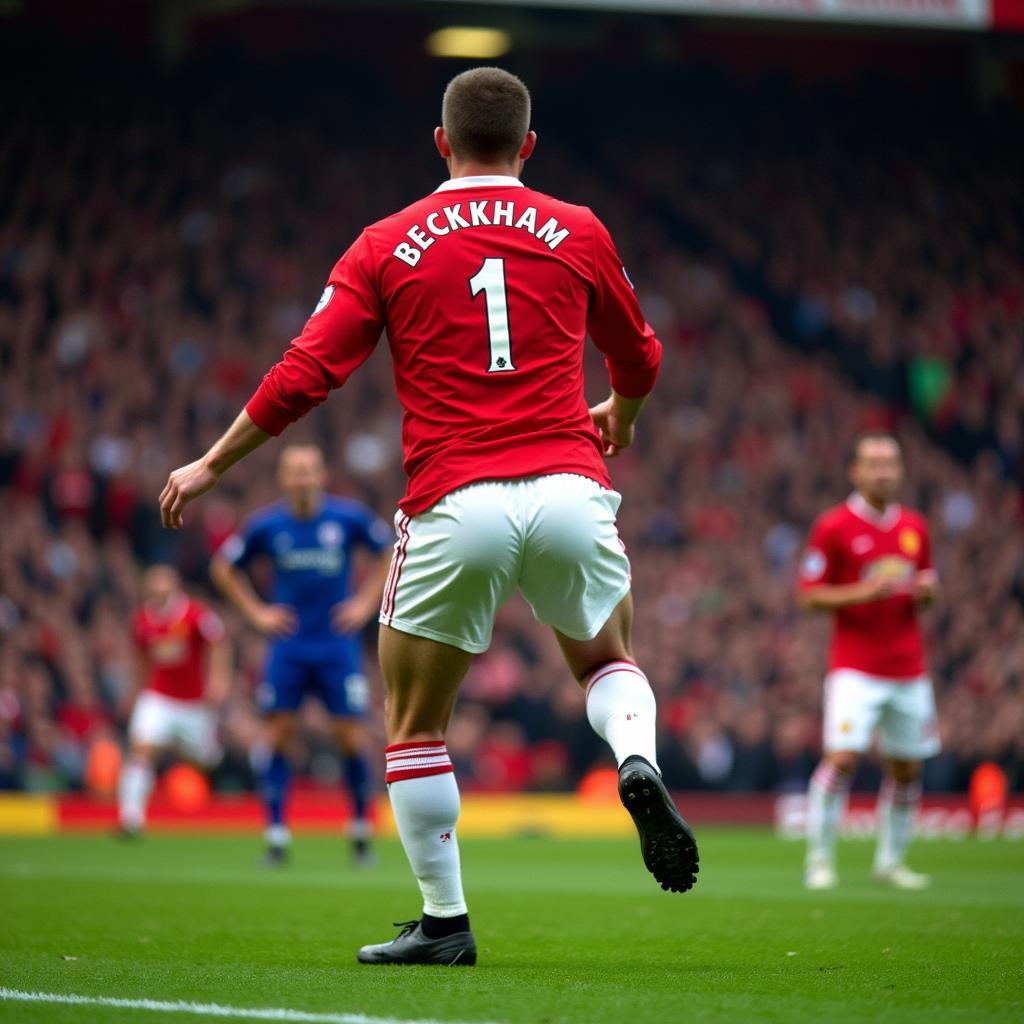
[(882, 520), (480, 181), (173, 613)]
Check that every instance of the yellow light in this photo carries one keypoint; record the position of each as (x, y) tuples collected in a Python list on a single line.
[(464, 41)]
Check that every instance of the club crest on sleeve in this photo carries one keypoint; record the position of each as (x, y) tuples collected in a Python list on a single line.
[(812, 567), (324, 299)]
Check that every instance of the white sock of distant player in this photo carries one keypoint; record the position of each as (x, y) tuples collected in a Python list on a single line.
[(134, 787), (897, 807), (621, 709), (425, 802), (827, 796)]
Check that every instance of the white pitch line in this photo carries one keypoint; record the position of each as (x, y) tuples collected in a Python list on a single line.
[(208, 1009)]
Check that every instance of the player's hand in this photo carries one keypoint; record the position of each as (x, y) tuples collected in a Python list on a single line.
[(879, 588), (275, 620), (615, 432), (350, 616), (924, 588), (185, 485), (217, 693)]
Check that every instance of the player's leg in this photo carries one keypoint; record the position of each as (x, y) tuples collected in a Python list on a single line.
[(149, 732), (279, 698), (454, 567), (422, 678), (827, 796), (852, 708), (575, 575), (353, 745), (345, 693), (622, 710), (134, 787), (909, 735), (274, 777)]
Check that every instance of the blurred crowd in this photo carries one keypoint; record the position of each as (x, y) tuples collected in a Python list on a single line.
[(160, 244)]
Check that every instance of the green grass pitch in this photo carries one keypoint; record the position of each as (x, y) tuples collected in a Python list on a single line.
[(568, 932)]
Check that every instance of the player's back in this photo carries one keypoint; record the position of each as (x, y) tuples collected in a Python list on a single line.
[(487, 290)]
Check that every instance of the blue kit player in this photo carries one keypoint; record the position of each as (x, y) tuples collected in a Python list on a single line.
[(313, 621)]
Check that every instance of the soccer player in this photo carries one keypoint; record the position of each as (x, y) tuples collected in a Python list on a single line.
[(313, 622), (183, 673), (487, 289), (868, 561)]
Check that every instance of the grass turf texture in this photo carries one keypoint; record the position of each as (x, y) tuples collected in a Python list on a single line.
[(568, 931)]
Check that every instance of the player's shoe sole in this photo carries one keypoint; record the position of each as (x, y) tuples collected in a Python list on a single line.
[(413, 947), (666, 841)]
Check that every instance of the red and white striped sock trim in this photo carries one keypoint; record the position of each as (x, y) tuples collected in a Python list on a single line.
[(900, 794), (611, 667), (829, 779), (416, 760)]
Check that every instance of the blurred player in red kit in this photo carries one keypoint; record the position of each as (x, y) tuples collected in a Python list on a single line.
[(869, 562), (488, 290), (182, 673)]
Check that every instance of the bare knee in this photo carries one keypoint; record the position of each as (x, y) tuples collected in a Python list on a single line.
[(350, 735), (904, 772), (145, 752), (280, 731), (845, 761), (612, 643)]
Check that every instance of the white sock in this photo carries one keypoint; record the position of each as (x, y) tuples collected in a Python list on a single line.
[(425, 802), (621, 709), (827, 796), (134, 787), (897, 807), (278, 835)]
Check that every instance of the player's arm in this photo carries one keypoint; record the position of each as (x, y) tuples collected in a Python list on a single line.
[(235, 585), (632, 352), (191, 481), (831, 597), (337, 339), (819, 592), (373, 534), (352, 614), (218, 674), (924, 587), (218, 657), (136, 684)]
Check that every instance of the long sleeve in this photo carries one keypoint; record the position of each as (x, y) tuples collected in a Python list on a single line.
[(337, 339), (617, 325)]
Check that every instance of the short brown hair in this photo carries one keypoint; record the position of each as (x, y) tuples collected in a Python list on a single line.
[(486, 114), (870, 435)]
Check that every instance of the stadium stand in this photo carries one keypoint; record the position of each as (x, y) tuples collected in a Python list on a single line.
[(152, 266)]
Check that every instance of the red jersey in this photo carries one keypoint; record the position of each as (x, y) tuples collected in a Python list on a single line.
[(487, 290), (853, 542), (174, 645)]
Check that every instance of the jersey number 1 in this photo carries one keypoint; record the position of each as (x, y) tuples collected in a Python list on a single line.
[(490, 279)]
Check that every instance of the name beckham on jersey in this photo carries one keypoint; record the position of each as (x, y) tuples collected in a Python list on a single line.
[(450, 218)]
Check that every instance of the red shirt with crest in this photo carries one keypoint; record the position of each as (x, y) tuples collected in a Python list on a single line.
[(853, 542), (174, 642)]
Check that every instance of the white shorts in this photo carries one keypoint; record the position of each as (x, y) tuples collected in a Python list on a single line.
[(552, 537), (902, 712), (188, 725)]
